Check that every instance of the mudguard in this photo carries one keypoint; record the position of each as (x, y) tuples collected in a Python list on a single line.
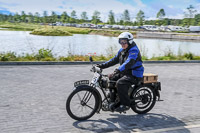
[(95, 91)]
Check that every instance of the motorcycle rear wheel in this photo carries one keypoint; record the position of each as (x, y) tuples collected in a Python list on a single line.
[(82, 104), (143, 99)]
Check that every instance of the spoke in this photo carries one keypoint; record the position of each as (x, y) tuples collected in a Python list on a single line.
[(137, 98), (143, 92), (139, 94), (79, 97), (89, 106), (137, 102)]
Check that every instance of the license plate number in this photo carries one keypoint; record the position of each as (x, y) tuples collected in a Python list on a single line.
[(81, 82)]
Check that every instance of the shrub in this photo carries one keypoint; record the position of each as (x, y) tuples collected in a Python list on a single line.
[(44, 54), (10, 56), (189, 56)]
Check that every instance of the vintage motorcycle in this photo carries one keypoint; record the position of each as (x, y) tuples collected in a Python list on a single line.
[(86, 99)]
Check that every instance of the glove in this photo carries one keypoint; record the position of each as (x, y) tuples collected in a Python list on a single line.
[(99, 65), (114, 75)]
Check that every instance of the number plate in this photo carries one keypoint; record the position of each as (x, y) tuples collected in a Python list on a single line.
[(81, 82)]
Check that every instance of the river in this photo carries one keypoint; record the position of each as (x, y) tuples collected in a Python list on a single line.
[(21, 42)]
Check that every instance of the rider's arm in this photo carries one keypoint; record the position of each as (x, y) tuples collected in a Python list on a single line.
[(112, 61), (131, 60)]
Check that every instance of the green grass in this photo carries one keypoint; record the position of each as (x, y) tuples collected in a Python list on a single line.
[(114, 33), (19, 26), (50, 31), (46, 55), (75, 30), (46, 30), (170, 57)]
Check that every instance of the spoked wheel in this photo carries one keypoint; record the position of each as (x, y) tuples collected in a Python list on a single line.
[(82, 103), (143, 99)]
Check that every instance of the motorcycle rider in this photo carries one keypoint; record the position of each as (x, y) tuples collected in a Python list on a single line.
[(130, 70)]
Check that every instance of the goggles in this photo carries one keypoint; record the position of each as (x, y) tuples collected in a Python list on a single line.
[(123, 41)]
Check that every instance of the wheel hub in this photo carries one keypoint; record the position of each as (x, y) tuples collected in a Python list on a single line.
[(144, 99), (83, 103)]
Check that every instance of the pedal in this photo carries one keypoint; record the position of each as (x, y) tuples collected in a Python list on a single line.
[(160, 100)]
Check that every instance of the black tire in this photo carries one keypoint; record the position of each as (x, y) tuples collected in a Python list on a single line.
[(85, 96), (143, 99)]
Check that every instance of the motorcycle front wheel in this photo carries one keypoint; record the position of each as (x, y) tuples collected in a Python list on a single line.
[(143, 99), (82, 104)]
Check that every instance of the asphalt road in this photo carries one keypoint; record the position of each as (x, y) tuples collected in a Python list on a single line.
[(32, 100)]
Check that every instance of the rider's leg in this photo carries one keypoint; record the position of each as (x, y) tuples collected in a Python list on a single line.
[(123, 85)]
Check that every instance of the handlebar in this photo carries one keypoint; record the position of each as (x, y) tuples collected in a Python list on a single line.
[(96, 69)]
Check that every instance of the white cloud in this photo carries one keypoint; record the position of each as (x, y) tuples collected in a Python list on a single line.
[(170, 6), (103, 6), (139, 4), (177, 16), (197, 7)]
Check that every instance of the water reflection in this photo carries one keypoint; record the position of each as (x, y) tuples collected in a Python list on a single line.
[(22, 42)]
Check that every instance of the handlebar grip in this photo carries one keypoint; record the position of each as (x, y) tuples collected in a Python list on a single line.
[(97, 69)]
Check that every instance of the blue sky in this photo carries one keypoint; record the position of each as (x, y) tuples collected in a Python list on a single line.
[(173, 8)]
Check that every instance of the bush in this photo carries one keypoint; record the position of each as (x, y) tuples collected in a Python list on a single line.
[(189, 56), (10, 56), (44, 54)]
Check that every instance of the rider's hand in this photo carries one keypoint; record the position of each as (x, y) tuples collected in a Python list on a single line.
[(114, 74), (117, 71), (99, 65)]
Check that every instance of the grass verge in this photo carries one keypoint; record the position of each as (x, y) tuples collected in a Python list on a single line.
[(46, 55)]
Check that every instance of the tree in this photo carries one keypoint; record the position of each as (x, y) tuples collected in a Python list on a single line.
[(10, 18), (166, 21), (190, 12), (3, 17), (84, 17), (73, 17), (23, 16), (53, 17), (37, 17), (45, 17), (96, 17), (161, 14), (30, 17), (126, 16), (121, 22), (64, 17), (73, 14), (140, 17), (197, 19), (111, 17), (17, 17)]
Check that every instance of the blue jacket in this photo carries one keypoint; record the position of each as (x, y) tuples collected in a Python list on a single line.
[(130, 61)]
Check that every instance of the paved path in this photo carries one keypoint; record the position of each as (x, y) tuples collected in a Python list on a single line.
[(32, 100)]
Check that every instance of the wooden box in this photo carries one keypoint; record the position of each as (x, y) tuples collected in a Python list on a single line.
[(150, 78)]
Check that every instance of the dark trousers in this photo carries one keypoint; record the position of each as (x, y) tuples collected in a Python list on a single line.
[(123, 84)]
